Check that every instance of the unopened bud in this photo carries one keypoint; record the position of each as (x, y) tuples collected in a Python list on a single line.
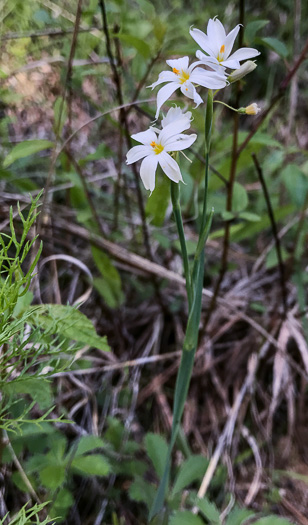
[(242, 71), (252, 109)]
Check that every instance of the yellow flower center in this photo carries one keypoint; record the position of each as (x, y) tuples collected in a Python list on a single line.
[(220, 56), (183, 75), (158, 148)]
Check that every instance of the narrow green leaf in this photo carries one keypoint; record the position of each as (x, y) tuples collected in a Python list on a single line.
[(239, 198), (272, 520), (24, 149), (140, 45), (157, 203), (110, 284), (275, 45)]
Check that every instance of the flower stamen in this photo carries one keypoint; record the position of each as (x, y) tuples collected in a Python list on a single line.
[(158, 148), (183, 76), (220, 56)]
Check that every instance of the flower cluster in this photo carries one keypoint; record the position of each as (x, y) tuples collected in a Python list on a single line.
[(209, 71)]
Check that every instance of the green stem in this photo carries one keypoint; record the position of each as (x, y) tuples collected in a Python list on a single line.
[(175, 199), (192, 329), (227, 105)]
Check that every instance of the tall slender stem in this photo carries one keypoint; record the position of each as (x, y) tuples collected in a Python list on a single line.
[(195, 303), (175, 199)]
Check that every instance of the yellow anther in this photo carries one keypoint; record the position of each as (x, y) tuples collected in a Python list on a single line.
[(158, 148), (176, 71), (183, 76), (222, 49)]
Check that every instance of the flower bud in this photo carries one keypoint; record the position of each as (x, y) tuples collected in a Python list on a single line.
[(242, 71), (252, 109)]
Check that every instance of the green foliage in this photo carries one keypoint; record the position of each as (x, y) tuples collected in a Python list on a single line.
[(109, 285), (24, 149)]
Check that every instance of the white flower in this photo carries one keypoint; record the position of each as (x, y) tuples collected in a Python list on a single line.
[(156, 146), (218, 46), (183, 76)]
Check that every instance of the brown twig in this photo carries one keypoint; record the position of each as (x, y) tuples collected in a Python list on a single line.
[(275, 233)]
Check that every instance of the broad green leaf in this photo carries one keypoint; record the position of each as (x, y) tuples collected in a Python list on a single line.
[(140, 45), (239, 516), (296, 183), (252, 28), (248, 216), (53, 476), (24, 149), (142, 491), (191, 470), (157, 449), (64, 500), (272, 520), (275, 45), (89, 443), (209, 510), (102, 152), (157, 203), (110, 284), (185, 518), (70, 323), (240, 198), (38, 388), (92, 465), (272, 258), (20, 483)]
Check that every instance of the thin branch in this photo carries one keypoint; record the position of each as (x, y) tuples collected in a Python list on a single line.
[(275, 233)]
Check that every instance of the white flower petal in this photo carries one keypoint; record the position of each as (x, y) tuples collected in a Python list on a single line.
[(164, 76), (203, 41), (175, 114), (190, 91), (165, 93), (172, 130), (183, 143), (244, 53), (137, 153), (231, 64), (208, 61), (170, 167), (145, 137), (178, 63), (216, 34), (147, 171), (208, 79), (229, 41)]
